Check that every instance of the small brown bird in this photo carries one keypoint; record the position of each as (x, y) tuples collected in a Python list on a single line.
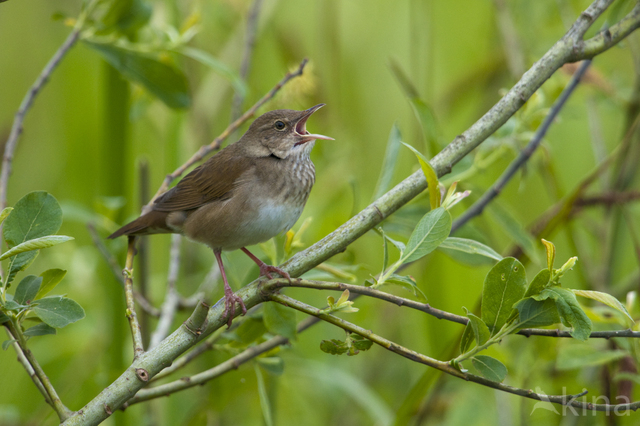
[(246, 194)]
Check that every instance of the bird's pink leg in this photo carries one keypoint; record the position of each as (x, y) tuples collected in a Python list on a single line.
[(230, 298), (266, 269)]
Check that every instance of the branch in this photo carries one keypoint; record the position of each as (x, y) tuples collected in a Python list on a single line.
[(228, 365), (477, 207), (445, 366), (27, 101), (117, 272), (609, 37), (203, 151), (127, 272), (172, 298), (60, 409), (608, 198), (274, 285)]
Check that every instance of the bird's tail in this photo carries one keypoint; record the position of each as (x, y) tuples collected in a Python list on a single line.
[(154, 222)]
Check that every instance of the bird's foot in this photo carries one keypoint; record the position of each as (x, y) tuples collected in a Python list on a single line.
[(265, 270), (230, 300)]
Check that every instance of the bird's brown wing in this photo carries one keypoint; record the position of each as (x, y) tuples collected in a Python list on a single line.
[(213, 180)]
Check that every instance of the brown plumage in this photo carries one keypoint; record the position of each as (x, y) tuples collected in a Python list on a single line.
[(246, 194)]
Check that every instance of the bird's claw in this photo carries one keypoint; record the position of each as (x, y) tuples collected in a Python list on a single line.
[(230, 300), (265, 271)]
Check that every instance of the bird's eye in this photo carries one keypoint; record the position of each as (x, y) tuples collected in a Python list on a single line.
[(279, 125)]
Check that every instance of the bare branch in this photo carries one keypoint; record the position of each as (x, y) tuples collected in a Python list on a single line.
[(127, 272), (477, 207)]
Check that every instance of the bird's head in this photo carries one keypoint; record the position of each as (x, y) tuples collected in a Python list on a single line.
[(281, 132)]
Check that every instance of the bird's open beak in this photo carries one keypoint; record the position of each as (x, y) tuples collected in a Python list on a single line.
[(301, 129)]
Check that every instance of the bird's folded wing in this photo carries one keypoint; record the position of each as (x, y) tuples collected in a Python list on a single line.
[(213, 180)]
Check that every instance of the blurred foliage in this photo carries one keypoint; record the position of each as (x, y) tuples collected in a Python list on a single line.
[(152, 81)]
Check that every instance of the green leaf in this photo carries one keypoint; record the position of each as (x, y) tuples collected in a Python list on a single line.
[(490, 368), (571, 314), (431, 176), (359, 343), (58, 311), (511, 226), (36, 244), (430, 232), (534, 313), (161, 79), (576, 356), (7, 343), (470, 246), (467, 338), (409, 283), (27, 289), (272, 364), (538, 283), (217, 66), (50, 279), (607, 299), (480, 329), (126, 15), (280, 320), (4, 213), (3, 318), (504, 285), (333, 347), (35, 215), (39, 330), (389, 162)]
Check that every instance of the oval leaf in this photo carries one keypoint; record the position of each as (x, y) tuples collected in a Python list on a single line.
[(490, 368), (430, 232), (607, 299), (535, 313), (480, 329), (36, 244), (50, 279), (470, 246), (539, 283), (27, 289), (39, 330), (571, 314), (58, 311), (504, 285), (161, 79), (35, 215)]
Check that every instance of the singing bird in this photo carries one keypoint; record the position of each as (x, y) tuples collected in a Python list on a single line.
[(247, 193)]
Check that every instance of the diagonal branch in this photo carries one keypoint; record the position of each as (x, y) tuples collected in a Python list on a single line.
[(445, 366), (477, 208)]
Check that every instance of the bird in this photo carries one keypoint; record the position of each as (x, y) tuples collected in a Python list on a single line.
[(247, 193)]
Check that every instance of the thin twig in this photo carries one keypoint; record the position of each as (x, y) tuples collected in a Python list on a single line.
[(445, 366), (27, 101), (203, 151), (608, 198), (249, 43), (30, 371), (477, 207), (271, 285), (60, 409), (127, 272), (224, 367), (172, 298), (115, 268)]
